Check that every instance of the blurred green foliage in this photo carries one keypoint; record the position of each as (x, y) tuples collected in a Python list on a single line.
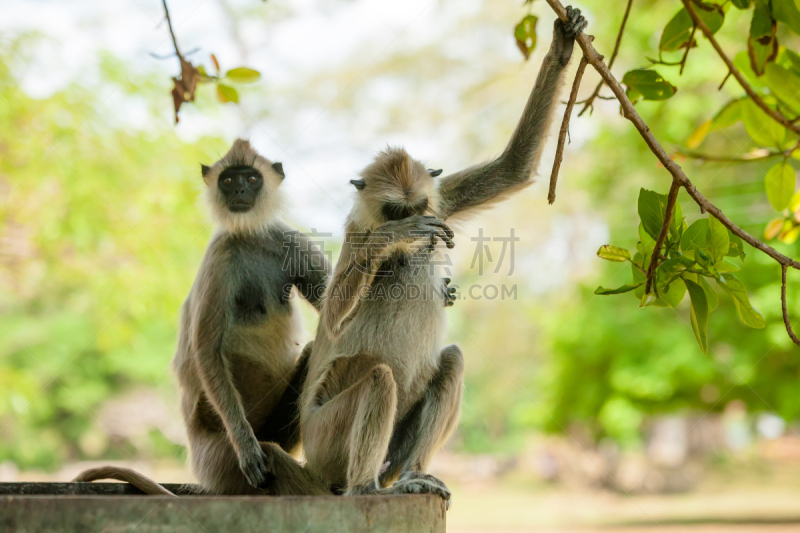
[(93, 264)]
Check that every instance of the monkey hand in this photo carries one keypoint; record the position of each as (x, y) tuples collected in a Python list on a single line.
[(421, 229), (449, 293), (564, 34), (254, 465)]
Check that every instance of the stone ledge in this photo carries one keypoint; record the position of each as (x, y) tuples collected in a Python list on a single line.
[(88, 507)]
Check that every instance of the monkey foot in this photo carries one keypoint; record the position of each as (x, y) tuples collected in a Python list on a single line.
[(576, 23), (418, 483)]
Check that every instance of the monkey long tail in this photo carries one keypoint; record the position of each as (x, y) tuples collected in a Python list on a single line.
[(143, 483)]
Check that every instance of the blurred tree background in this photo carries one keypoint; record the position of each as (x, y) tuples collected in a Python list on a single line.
[(101, 231)]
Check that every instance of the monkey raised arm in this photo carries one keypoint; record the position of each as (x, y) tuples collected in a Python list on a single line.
[(362, 255), (482, 185), (208, 323), (308, 266)]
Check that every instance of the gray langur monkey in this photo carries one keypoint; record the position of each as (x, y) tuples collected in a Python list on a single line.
[(382, 393), (238, 362)]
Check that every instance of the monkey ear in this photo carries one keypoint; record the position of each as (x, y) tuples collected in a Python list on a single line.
[(205, 169), (359, 184), (278, 167), (434, 173)]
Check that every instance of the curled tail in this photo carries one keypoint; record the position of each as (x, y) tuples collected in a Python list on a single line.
[(143, 483), (290, 477)]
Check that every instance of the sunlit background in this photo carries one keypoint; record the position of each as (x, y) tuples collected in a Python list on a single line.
[(579, 410)]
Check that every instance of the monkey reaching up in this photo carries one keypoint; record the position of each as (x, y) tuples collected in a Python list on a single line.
[(237, 359), (380, 387)]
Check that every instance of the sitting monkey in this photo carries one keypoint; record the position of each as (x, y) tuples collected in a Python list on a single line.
[(382, 395), (237, 358)]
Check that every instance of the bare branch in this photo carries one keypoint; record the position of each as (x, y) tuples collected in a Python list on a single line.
[(688, 47), (662, 236), (596, 92), (629, 112), (562, 134), (758, 155), (171, 32), (786, 321), (775, 115)]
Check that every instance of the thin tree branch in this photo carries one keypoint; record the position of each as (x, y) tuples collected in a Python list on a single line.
[(662, 236), (588, 101), (688, 47), (775, 115), (747, 158), (172, 33), (629, 112), (786, 321), (573, 95)]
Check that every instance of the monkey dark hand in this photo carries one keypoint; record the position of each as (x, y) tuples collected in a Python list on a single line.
[(564, 34), (449, 293), (424, 229), (253, 463)]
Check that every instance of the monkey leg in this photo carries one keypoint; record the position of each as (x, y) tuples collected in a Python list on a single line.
[(425, 428), (347, 437), (282, 426)]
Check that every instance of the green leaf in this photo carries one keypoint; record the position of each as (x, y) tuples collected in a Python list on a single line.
[(711, 294), (694, 238), (784, 83), (525, 35), (761, 23), (699, 314), (678, 30), (729, 115), (730, 284), (717, 240), (618, 290), (226, 93), (243, 75), (673, 295), (787, 12), (613, 253), (647, 84), (652, 208), (737, 246), (741, 4), (792, 59), (742, 62), (762, 128), (780, 183)]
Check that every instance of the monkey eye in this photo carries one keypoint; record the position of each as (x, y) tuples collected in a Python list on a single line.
[(251, 179), (227, 181)]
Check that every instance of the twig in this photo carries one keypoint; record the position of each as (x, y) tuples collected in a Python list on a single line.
[(172, 33), (786, 321), (721, 85), (662, 236), (573, 95), (588, 101), (775, 115), (747, 158), (686, 53), (629, 112)]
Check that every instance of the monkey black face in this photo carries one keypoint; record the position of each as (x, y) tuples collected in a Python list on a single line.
[(399, 211), (240, 186)]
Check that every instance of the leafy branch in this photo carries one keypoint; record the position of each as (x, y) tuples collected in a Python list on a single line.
[(185, 85), (690, 252), (774, 114)]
